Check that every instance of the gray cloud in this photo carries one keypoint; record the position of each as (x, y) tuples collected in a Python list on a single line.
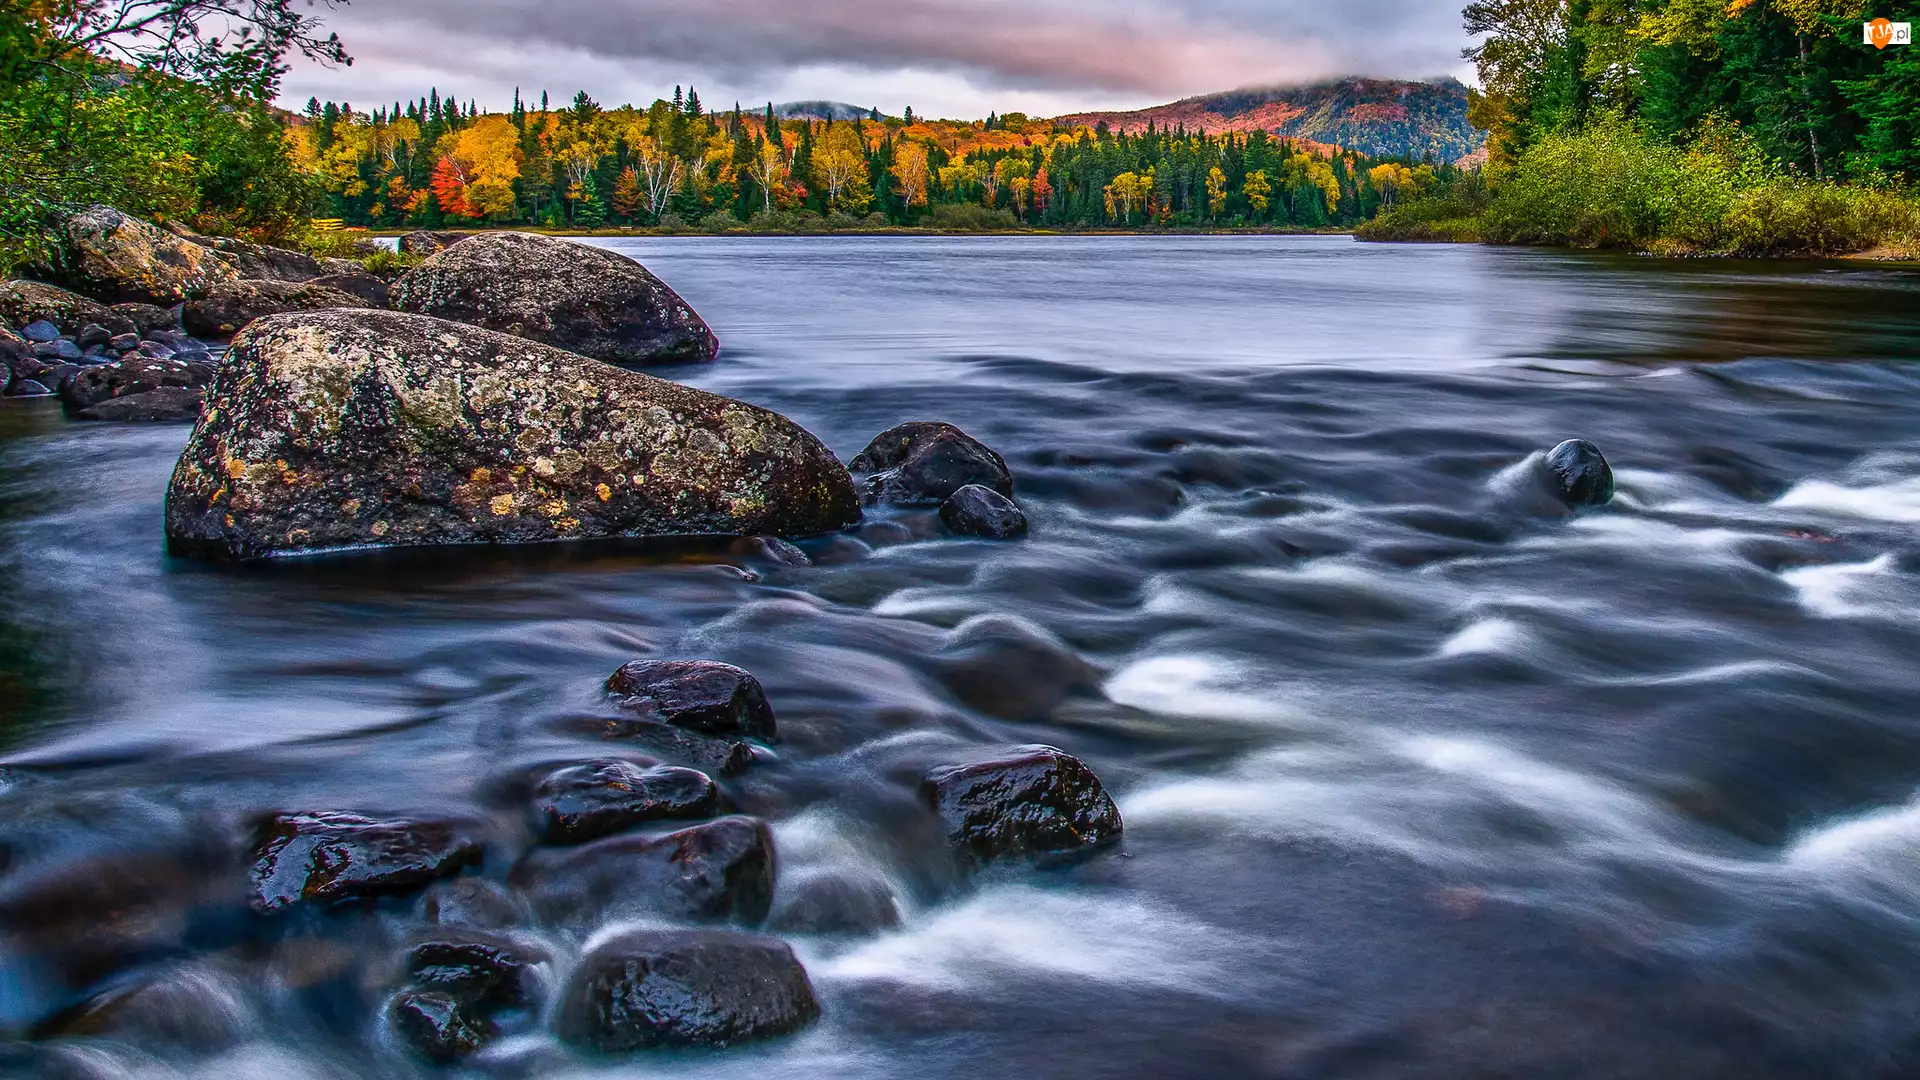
[(1096, 52)]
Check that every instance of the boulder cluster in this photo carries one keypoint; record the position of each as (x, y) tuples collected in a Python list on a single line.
[(624, 835)]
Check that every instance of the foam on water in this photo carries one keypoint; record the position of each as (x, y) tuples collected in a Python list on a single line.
[(1486, 637), (1848, 590), (1897, 501), (1202, 688)]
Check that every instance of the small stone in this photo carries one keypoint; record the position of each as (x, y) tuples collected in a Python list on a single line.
[(323, 858), (585, 802), (668, 988), (123, 342), (1580, 473), (699, 695), (828, 902), (488, 972), (40, 331), (438, 1027), (92, 334), (924, 463), (472, 903), (981, 511), (720, 870), (62, 351), (1030, 802), (28, 388)]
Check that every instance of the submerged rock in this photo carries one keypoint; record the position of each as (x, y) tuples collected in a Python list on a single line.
[(829, 902), (107, 255), (981, 511), (585, 802), (680, 988), (583, 299), (1030, 802), (699, 695), (439, 1027), (324, 858), (721, 870), (232, 306), (1580, 473), (335, 429), (716, 756), (924, 463)]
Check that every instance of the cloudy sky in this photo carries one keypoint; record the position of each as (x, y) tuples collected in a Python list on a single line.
[(945, 58)]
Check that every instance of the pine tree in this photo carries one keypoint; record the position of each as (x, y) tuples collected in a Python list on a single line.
[(693, 103)]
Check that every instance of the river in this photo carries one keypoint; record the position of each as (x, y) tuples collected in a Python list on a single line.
[(1420, 777)]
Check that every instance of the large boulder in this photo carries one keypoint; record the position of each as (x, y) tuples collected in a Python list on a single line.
[(325, 858), (373, 290), (25, 302), (336, 429), (583, 299), (721, 870), (1032, 802), (110, 256), (925, 463), (263, 262), (232, 306), (681, 988)]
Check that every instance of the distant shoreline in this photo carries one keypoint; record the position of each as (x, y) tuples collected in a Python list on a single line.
[(746, 233)]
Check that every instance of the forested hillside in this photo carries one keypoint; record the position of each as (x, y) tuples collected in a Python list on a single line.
[(1381, 117)]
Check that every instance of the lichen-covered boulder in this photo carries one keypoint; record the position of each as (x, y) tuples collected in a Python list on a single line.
[(685, 988), (107, 255), (25, 302), (336, 429), (232, 306), (583, 299)]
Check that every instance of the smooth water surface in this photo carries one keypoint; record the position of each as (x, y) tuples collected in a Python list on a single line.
[(1421, 775)]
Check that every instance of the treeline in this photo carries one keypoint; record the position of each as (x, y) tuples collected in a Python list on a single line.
[(435, 162), (1754, 127)]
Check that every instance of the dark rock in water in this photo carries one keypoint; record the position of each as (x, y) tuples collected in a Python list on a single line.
[(363, 285), (107, 255), (430, 243), (91, 335), (719, 870), (192, 1008), (28, 388), (586, 300), (40, 331), (825, 902), (472, 903), (174, 405), (771, 549), (585, 802), (233, 306), (146, 318), (439, 1027), (488, 972), (56, 376), (982, 511), (1030, 802), (719, 757), (1009, 668), (24, 302), (699, 695), (327, 857), (133, 375), (336, 429), (1581, 474), (679, 988), (924, 463)]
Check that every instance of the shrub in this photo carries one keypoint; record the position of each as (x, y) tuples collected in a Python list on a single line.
[(971, 217)]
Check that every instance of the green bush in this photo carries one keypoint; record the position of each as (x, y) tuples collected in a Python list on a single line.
[(971, 217)]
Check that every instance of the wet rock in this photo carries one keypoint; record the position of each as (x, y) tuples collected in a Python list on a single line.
[(472, 903), (234, 305), (133, 375), (980, 511), (439, 1027), (91, 335), (59, 351), (124, 342), (146, 318), (24, 302), (1009, 668), (699, 695), (324, 858), (28, 388), (429, 243), (174, 405), (107, 255), (769, 549), (586, 300), (665, 988), (190, 1007), (359, 283), (486, 972), (718, 757), (721, 870), (1580, 473), (56, 376), (827, 902), (1031, 802), (40, 331), (351, 428), (924, 463), (585, 802)]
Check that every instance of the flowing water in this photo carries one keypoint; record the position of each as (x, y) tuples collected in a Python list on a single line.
[(1421, 775)]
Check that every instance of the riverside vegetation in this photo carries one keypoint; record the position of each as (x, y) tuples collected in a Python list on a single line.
[(1756, 128)]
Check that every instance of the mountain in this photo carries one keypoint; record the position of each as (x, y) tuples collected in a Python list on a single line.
[(821, 110), (1378, 117)]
